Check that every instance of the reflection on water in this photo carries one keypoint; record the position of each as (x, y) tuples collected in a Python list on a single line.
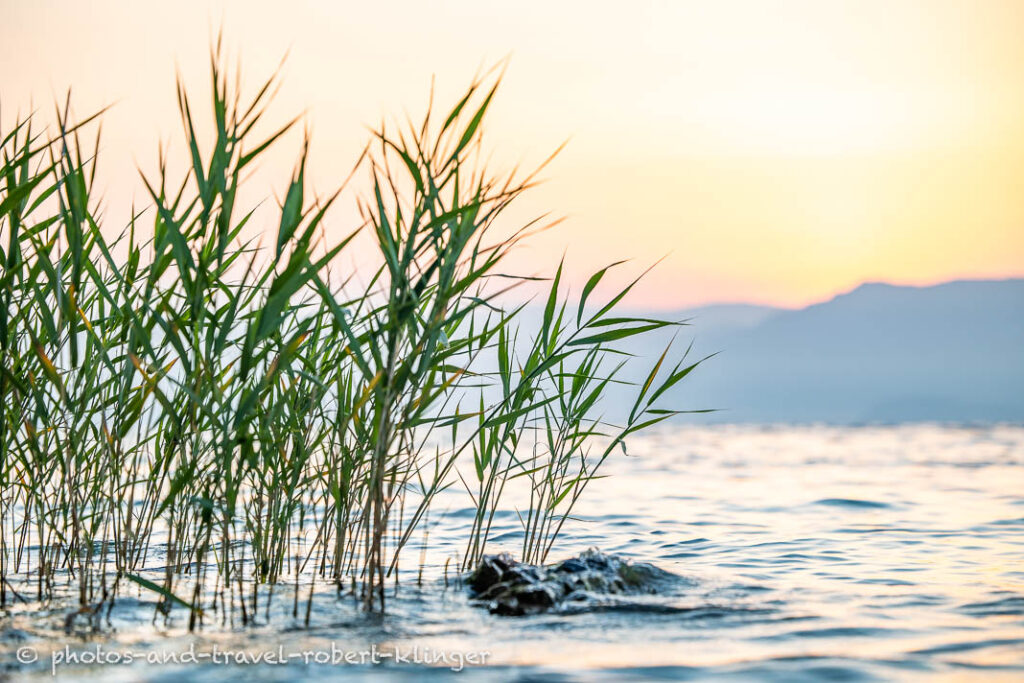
[(805, 553)]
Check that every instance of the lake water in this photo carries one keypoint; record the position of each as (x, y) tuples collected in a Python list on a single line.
[(805, 553)]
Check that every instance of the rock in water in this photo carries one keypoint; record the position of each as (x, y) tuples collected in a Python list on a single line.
[(513, 588)]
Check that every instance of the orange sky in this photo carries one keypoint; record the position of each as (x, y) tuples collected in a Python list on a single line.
[(778, 152)]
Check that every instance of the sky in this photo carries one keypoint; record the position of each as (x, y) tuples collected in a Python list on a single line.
[(771, 152)]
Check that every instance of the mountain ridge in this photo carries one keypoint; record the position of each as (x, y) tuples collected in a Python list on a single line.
[(881, 352)]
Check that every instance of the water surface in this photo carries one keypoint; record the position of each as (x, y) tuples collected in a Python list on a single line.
[(804, 553)]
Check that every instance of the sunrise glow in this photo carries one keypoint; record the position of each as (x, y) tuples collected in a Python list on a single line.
[(775, 153)]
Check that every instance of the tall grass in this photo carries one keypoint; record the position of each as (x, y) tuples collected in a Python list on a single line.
[(177, 395)]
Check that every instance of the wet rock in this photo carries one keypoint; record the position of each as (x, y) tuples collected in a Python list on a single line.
[(490, 572), (513, 588)]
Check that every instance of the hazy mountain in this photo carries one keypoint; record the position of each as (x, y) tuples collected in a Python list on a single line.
[(728, 318), (881, 353)]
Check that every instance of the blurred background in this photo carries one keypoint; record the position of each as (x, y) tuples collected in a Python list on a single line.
[(781, 155)]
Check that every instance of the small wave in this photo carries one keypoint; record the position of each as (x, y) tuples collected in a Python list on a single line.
[(968, 646), (852, 503), (696, 613), (1012, 606), (886, 582), (799, 668), (1008, 522), (836, 632), (879, 529)]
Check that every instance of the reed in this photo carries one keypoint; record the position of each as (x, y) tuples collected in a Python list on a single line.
[(178, 395)]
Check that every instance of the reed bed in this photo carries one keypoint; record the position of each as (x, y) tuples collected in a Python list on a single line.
[(178, 395)]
